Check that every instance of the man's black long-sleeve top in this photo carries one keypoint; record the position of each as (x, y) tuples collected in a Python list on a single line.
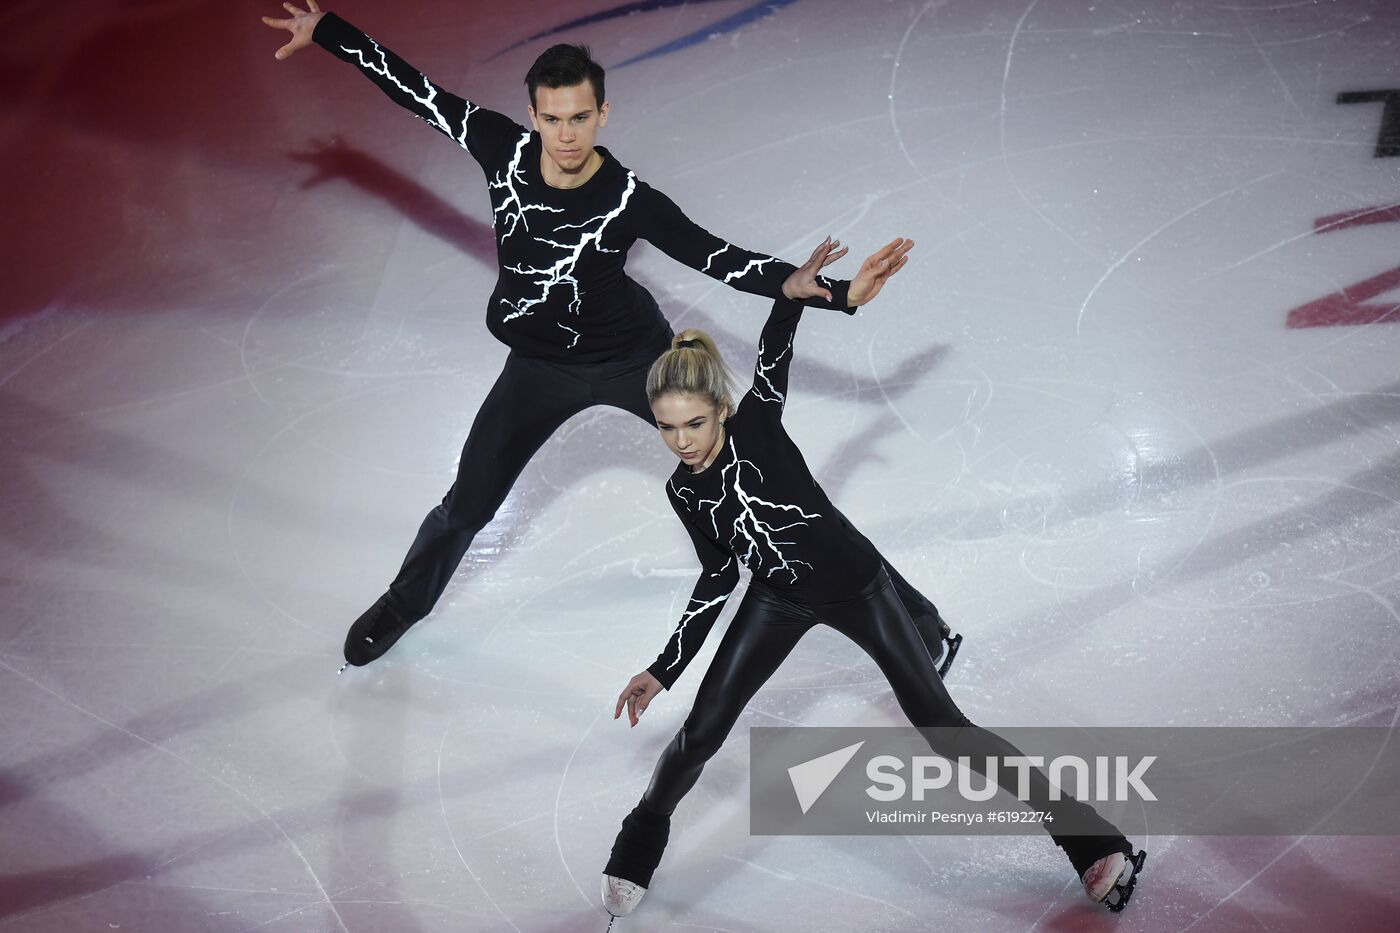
[(562, 293)]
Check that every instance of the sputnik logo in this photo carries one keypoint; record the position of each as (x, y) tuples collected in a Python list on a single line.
[(811, 778)]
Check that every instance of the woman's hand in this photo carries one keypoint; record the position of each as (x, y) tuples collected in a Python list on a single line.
[(301, 26), (876, 271), (802, 284), (637, 695)]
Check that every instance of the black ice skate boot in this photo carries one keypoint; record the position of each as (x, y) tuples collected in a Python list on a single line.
[(635, 855), (375, 632), (1107, 868)]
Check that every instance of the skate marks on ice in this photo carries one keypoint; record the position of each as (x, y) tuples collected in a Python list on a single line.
[(387, 783)]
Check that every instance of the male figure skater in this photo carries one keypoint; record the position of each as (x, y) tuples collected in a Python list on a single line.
[(580, 331)]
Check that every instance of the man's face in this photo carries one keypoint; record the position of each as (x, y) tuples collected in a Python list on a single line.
[(689, 425), (568, 120)]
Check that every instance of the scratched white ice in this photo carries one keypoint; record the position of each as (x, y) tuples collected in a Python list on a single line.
[(242, 340)]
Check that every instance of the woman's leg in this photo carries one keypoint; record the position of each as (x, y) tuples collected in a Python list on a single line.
[(763, 632), (927, 620), (880, 625)]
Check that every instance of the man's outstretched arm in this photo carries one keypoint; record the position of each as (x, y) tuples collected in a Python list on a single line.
[(472, 127), (665, 226)]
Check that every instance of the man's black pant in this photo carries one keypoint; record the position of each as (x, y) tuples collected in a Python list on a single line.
[(528, 403)]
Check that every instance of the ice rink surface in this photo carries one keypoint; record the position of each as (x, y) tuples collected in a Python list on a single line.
[(1129, 417)]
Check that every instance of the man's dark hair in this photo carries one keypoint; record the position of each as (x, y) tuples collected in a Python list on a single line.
[(564, 66)]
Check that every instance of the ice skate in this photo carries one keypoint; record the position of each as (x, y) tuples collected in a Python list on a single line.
[(1110, 880), (620, 896), (938, 637), (374, 632), (635, 855), (951, 644)]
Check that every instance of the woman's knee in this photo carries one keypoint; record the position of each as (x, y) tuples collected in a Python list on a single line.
[(954, 720), (934, 712), (699, 741)]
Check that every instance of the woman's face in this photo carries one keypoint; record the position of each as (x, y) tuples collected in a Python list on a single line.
[(689, 425)]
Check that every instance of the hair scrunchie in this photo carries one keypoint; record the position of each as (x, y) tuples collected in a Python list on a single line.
[(686, 344)]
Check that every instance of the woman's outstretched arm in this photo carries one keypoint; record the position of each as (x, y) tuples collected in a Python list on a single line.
[(770, 375), (719, 574)]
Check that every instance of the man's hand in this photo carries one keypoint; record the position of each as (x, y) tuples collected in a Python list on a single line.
[(876, 270), (802, 284), (637, 695), (301, 26)]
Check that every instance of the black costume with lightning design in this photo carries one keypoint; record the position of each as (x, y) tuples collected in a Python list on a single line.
[(581, 332), (562, 293), (757, 503)]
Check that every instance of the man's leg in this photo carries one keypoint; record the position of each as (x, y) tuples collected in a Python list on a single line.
[(623, 384), (526, 405)]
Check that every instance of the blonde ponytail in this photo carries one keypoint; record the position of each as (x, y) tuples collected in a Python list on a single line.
[(694, 369)]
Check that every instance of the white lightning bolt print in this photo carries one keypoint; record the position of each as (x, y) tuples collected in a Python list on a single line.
[(762, 371), (562, 272), (752, 534), (695, 606), (511, 206), (426, 98), (755, 265), (711, 258), (694, 609), (576, 334)]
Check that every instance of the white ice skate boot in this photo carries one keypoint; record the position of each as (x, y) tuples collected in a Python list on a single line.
[(635, 855), (620, 896), (1110, 880)]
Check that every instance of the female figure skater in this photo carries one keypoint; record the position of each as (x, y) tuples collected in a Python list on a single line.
[(745, 495)]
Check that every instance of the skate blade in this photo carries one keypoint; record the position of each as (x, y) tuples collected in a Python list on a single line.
[(1118, 895), (954, 644)]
